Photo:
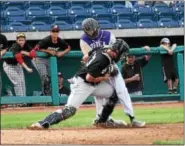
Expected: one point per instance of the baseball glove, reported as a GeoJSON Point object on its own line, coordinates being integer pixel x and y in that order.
{"type": "Point", "coordinates": [112, 70]}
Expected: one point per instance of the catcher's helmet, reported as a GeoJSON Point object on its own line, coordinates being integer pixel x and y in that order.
{"type": "Point", "coordinates": [90, 27]}
{"type": "Point", "coordinates": [121, 48]}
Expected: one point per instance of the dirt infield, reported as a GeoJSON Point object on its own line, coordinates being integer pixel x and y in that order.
{"type": "Point", "coordinates": [93, 135]}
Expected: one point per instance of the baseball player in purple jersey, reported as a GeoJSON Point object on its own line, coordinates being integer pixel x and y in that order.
{"type": "Point", "coordinates": [13, 67]}
{"type": "Point", "coordinates": [3, 49]}
{"type": "Point", "coordinates": [92, 39]}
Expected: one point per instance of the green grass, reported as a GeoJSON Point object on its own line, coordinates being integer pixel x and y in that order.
{"type": "Point", "coordinates": [84, 118]}
{"type": "Point", "coordinates": [177, 142]}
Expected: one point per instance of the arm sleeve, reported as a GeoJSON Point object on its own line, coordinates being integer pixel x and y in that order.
{"type": "Point", "coordinates": [63, 44]}
{"type": "Point", "coordinates": [5, 43]}
{"type": "Point", "coordinates": [112, 39]}
{"type": "Point", "coordinates": [84, 44]}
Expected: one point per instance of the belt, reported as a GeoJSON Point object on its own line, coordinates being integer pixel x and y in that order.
{"type": "Point", "coordinates": [94, 84]}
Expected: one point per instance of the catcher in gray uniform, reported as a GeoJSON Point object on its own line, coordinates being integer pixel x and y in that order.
{"type": "Point", "coordinates": [91, 79]}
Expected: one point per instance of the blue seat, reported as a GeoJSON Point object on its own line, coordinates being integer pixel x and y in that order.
{"type": "Point", "coordinates": [77, 10]}
{"type": "Point", "coordinates": [17, 18]}
{"type": "Point", "coordinates": [63, 25]}
{"type": "Point", "coordinates": [41, 4]}
{"type": "Point", "coordinates": [17, 27]}
{"type": "Point", "coordinates": [62, 4]}
{"type": "Point", "coordinates": [13, 11]}
{"type": "Point", "coordinates": [167, 22]}
{"type": "Point", "coordinates": [181, 22]}
{"type": "Point", "coordinates": [143, 9]}
{"type": "Point", "coordinates": [77, 25]}
{"type": "Point", "coordinates": [180, 3]}
{"type": "Point", "coordinates": [3, 28]}
{"type": "Point", "coordinates": [119, 2]}
{"type": "Point", "coordinates": [161, 8]}
{"type": "Point", "coordinates": [127, 15]}
{"type": "Point", "coordinates": [106, 4]}
{"type": "Point", "coordinates": [149, 15]}
{"type": "Point", "coordinates": [178, 9]}
{"type": "Point", "coordinates": [125, 23]}
{"type": "Point", "coordinates": [67, 19]}
{"type": "Point", "coordinates": [108, 17]}
{"type": "Point", "coordinates": [98, 9]}
{"type": "Point", "coordinates": [105, 24]}
{"type": "Point", "coordinates": [39, 26]}
{"type": "Point", "coordinates": [171, 15]}
{"type": "Point", "coordinates": [146, 23]}
{"type": "Point", "coordinates": [2, 14]}
{"type": "Point", "coordinates": [45, 19]}
{"type": "Point", "coordinates": [85, 4]}
{"type": "Point", "coordinates": [82, 16]}
{"type": "Point", "coordinates": [181, 14]}
{"type": "Point", "coordinates": [118, 8]}
{"type": "Point", "coordinates": [18, 4]}
{"type": "Point", "coordinates": [56, 11]}
{"type": "Point", "coordinates": [35, 11]}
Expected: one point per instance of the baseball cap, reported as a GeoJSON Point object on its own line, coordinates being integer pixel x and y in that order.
{"type": "Point", "coordinates": [55, 28]}
{"type": "Point", "coordinates": [60, 74]}
{"type": "Point", "coordinates": [165, 40]}
{"type": "Point", "coordinates": [20, 35]}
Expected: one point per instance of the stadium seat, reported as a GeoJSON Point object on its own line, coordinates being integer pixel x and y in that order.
{"type": "Point", "coordinates": [2, 14]}
{"type": "Point", "coordinates": [45, 19]}
{"type": "Point", "coordinates": [17, 4]}
{"type": "Point", "coordinates": [56, 11]}
{"type": "Point", "coordinates": [3, 28]}
{"type": "Point", "coordinates": [82, 17]}
{"type": "Point", "coordinates": [67, 19]}
{"type": "Point", "coordinates": [105, 24]}
{"type": "Point", "coordinates": [178, 9]}
{"type": "Point", "coordinates": [62, 4]}
{"type": "Point", "coordinates": [125, 23]}
{"type": "Point", "coordinates": [17, 27]}
{"type": "Point", "coordinates": [149, 15]}
{"type": "Point", "coordinates": [41, 4]}
{"type": "Point", "coordinates": [35, 11]}
{"type": "Point", "coordinates": [106, 4]}
{"type": "Point", "coordinates": [39, 26]}
{"type": "Point", "coordinates": [180, 3]}
{"type": "Point", "coordinates": [17, 18]}
{"type": "Point", "coordinates": [119, 2]}
{"type": "Point", "coordinates": [63, 25]}
{"type": "Point", "coordinates": [77, 10]}
{"type": "Point", "coordinates": [143, 9]}
{"type": "Point", "coordinates": [108, 17]}
{"type": "Point", "coordinates": [167, 22]}
{"type": "Point", "coordinates": [161, 8]}
{"type": "Point", "coordinates": [118, 8]}
{"type": "Point", "coordinates": [13, 11]}
{"type": "Point", "coordinates": [127, 15]}
{"type": "Point", "coordinates": [98, 9]}
{"type": "Point", "coordinates": [77, 25]}
{"type": "Point", "coordinates": [181, 22]}
{"type": "Point", "coordinates": [85, 4]}
{"type": "Point", "coordinates": [146, 23]}
{"type": "Point", "coordinates": [171, 15]}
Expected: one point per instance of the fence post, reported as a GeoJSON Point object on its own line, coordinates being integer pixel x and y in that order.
{"type": "Point", "coordinates": [54, 81]}
{"type": "Point", "coordinates": [180, 67]}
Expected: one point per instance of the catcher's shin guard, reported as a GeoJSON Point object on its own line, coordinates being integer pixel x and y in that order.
{"type": "Point", "coordinates": [108, 108]}
{"type": "Point", "coordinates": [58, 116]}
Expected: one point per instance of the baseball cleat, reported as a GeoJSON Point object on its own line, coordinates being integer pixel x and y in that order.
{"type": "Point", "coordinates": [36, 126]}
{"type": "Point", "coordinates": [110, 124]}
{"type": "Point", "coordinates": [138, 124]}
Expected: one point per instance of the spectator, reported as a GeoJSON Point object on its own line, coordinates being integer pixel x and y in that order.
{"type": "Point", "coordinates": [132, 73]}
{"type": "Point", "coordinates": [62, 89]}
{"type": "Point", "coordinates": [3, 49]}
{"type": "Point", "coordinates": [128, 4]}
{"type": "Point", "coordinates": [168, 65]}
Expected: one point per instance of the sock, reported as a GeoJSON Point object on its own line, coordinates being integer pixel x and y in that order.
{"type": "Point", "coordinates": [131, 118]}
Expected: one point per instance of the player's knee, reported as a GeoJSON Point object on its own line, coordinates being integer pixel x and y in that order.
{"type": "Point", "coordinates": [67, 112]}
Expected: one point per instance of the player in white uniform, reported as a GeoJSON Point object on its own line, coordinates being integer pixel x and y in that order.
{"type": "Point", "coordinates": [92, 39]}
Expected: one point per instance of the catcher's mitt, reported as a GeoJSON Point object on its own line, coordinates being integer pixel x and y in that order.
{"type": "Point", "coordinates": [112, 70]}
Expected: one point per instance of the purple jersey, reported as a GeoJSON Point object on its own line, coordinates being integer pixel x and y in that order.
{"type": "Point", "coordinates": [102, 39]}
